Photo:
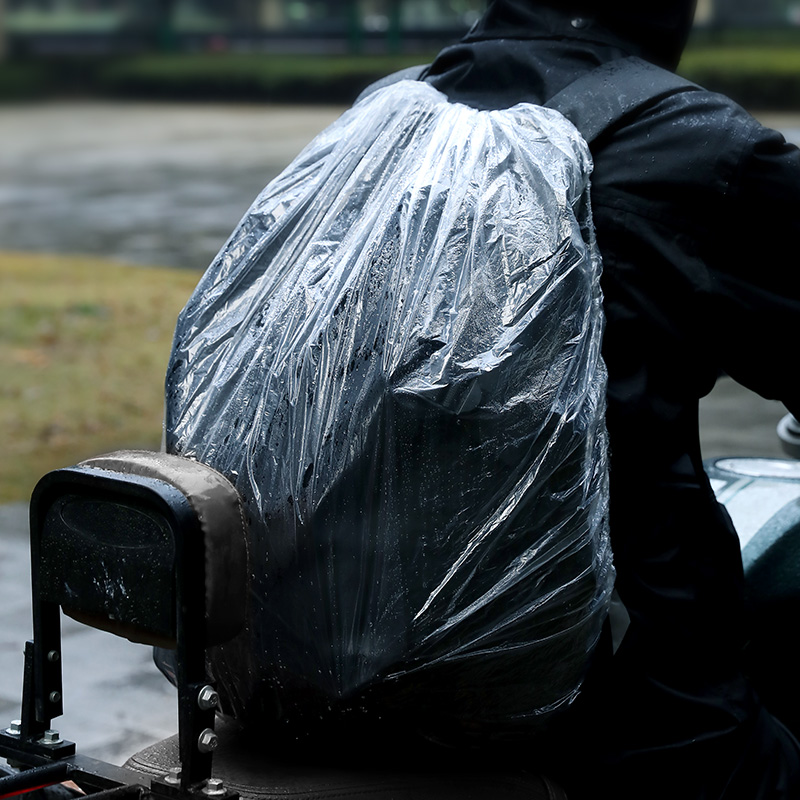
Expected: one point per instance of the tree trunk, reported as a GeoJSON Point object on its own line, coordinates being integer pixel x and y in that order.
{"type": "Point", "coordinates": [3, 41]}
{"type": "Point", "coordinates": [394, 38]}
{"type": "Point", "coordinates": [166, 40]}
{"type": "Point", "coordinates": [355, 31]}
{"type": "Point", "coordinates": [246, 14]}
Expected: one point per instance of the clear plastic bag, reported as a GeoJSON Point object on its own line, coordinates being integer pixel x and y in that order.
{"type": "Point", "coordinates": [396, 360]}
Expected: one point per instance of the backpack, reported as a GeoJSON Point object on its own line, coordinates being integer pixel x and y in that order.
{"type": "Point", "coordinates": [396, 360]}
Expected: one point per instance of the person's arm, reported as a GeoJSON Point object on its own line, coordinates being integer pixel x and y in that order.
{"type": "Point", "coordinates": [755, 271]}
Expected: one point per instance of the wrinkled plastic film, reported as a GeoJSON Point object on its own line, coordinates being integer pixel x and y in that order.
{"type": "Point", "coordinates": [395, 359]}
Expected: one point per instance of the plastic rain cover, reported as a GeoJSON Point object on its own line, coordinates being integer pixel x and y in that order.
{"type": "Point", "coordinates": [395, 358]}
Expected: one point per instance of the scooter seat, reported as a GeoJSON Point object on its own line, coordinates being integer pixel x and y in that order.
{"type": "Point", "coordinates": [257, 773]}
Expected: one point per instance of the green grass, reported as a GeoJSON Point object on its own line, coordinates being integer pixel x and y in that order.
{"type": "Point", "coordinates": [759, 71]}
{"type": "Point", "coordinates": [84, 345]}
{"type": "Point", "coordinates": [743, 60]}
{"type": "Point", "coordinates": [249, 75]}
{"type": "Point", "coordinates": [269, 69]}
{"type": "Point", "coordinates": [758, 76]}
{"type": "Point", "coordinates": [202, 76]}
{"type": "Point", "coordinates": [20, 81]}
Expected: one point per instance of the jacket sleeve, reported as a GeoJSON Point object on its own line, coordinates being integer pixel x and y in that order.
{"type": "Point", "coordinates": [754, 270]}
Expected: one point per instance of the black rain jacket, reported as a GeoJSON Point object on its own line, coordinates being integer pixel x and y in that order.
{"type": "Point", "coordinates": [697, 213]}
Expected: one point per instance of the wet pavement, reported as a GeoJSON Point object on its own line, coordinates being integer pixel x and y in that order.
{"type": "Point", "coordinates": [165, 184]}
{"type": "Point", "coordinates": [143, 183]}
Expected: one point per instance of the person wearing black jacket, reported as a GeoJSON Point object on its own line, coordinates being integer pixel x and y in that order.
{"type": "Point", "coordinates": [697, 213]}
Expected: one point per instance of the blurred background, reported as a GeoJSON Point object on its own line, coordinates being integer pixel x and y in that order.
{"type": "Point", "coordinates": [324, 50]}
{"type": "Point", "coordinates": [138, 132]}
{"type": "Point", "coordinates": [134, 134]}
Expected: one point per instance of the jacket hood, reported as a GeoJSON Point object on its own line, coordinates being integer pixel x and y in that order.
{"type": "Point", "coordinates": [656, 30]}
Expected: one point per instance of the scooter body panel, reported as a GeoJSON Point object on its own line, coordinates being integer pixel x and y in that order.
{"type": "Point", "coordinates": [762, 497]}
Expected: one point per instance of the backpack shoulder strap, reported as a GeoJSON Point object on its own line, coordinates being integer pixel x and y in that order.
{"type": "Point", "coordinates": [408, 74]}
{"type": "Point", "coordinates": [599, 99]}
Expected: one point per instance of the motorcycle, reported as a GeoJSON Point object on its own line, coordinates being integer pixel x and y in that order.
{"type": "Point", "coordinates": [152, 547]}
